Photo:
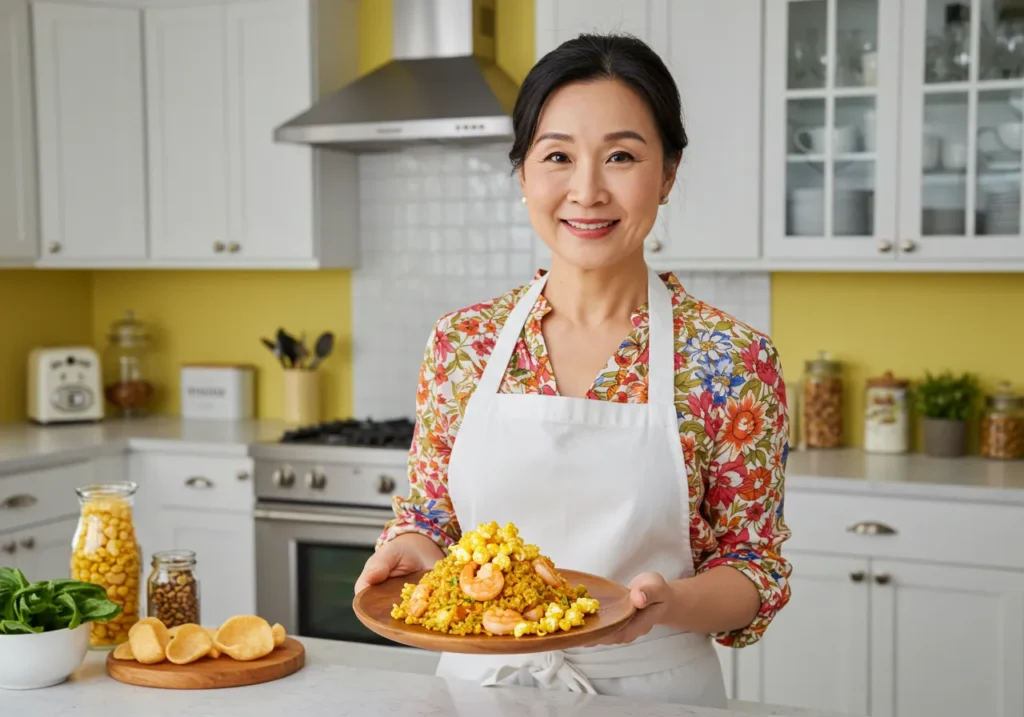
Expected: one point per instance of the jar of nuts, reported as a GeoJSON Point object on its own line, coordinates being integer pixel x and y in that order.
{"type": "Point", "coordinates": [1002, 424]}
{"type": "Point", "coordinates": [172, 588]}
{"type": "Point", "coordinates": [104, 551]}
{"type": "Point", "coordinates": [822, 401]}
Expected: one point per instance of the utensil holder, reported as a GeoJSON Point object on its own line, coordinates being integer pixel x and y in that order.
{"type": "Point", "coordinates": [301, 396]}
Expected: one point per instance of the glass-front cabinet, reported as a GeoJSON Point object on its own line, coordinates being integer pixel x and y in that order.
{"type": "Point", "coordinates": [963, 74]}
{"type": "Point", "coordinates": [893, 130]}
{"type": "Point", "coordinates": [830, 128]}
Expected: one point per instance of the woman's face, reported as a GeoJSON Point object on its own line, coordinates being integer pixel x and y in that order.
{"type": "Point", "coordinates": [595, 174]}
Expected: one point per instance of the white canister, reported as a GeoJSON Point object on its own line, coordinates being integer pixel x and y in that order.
{"type": "Point", "coordinates": [218, 391]}
{"type": "Point", "coordinates": [886, 415]}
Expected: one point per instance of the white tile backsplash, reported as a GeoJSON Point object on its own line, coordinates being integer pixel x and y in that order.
{"type": "Point", "coordinates": [442, 228]}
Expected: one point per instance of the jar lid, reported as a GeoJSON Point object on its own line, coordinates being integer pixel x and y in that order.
{"type": "Point", "coordinates": [823, 363]}
{"type": "Point", "coordinates": [175, 558]}
{"type": "Point", "coordinates": [128, 331]}
{"type": "Point", "coordinates": [1004, 399]}
{"type": "Point", "coordinates": [887, 380]}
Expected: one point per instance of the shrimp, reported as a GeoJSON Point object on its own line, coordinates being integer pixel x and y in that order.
{"type": "Point", "coordinates": [501, 622]}
{"type": "Point", "coordinates": [534, 614]}
{"type": "Point", "coordinates": [418, 601]}
{"type": "Point", "coordinates": [483, 584]}
{"type": "Point", "coordinates": [546, 570]}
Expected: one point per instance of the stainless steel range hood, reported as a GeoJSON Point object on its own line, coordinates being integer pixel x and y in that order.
{"type": "Point", "coordinates": [441, 87]}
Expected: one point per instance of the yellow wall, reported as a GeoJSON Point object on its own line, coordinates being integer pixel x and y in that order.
{"type": "Point", "coordinates": [37, 308]}
{"type": "Point", "coordinates": [908, 323]}
{"type": "Point", "coordinates": [207, 316]}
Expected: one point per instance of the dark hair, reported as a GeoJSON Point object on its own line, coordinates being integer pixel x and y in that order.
{"type": "Point", "coordinates": [595, 57]}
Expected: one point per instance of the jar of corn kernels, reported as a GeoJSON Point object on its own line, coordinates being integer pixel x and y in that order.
{"type": "Point", "coordinates": [105, 552]}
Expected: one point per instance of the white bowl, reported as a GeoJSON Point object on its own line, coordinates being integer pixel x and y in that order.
{"type": "Point", "coordinates": [28, 662]}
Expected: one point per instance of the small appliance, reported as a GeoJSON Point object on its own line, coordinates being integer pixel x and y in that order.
{"type": "Point", "coordinates": [64, 385]}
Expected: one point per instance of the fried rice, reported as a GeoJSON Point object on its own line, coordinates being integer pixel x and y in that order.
{"type": "Point", "coordinates": [450, 609]}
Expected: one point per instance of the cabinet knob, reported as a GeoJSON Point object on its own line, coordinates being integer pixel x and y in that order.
{"type": "Point", "coordinates": [242, 475]}
{"type": "Point", "coordinates": [385, 484]}
{"type": "Point", "coordinates": [908, 245]}
{"type": "Point", "coordinates": [28, 543]}
{"type": "Point", "coordinates": [884, 246]}
{"type": "Point", "coordinates": [9, 547]}
{"type": "Point", "coordinates": [870, 527]}
{"type": "Point", "coordinates": [234, 247]}
{"type": "Point", "coordinates": [883, 578]}
{"type": "Point", "coordinates": [654, 245]}
{"type": "Point", "coordinates": [858, 576]}
{"type": "Point", "coordinates": [218, 247]}
{"type": "Point", "coordinates": [54, 247]}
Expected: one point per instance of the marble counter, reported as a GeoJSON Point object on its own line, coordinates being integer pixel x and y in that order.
{"type": "Point", "coordinates": [340, 680]}
{"type": "Point", "coordinates": [26, 447]}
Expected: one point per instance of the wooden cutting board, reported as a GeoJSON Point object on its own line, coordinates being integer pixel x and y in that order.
{"type": "Point", "coordinates": [207, 673]}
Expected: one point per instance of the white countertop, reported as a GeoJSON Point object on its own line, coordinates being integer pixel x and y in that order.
{"type": "Point", "coordinates": [339, 679]}
{"type": "Point", "coordinates": [26, 447]}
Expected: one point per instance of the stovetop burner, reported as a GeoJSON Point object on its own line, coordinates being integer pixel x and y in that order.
{"type": "Point", "coordinates": [394, 433]}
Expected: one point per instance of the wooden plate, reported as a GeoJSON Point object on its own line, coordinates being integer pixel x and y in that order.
{"type": "Point", "coordinates": [373, 608]}
{"type": "Point", "coordinates": [207, 673]}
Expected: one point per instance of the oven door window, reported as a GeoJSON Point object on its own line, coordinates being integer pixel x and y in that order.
{"type": "Point", "coordinates": [327, 574]}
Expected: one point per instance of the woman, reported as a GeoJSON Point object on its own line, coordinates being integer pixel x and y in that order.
{"type": "Point", "coordinates": [666, 472]}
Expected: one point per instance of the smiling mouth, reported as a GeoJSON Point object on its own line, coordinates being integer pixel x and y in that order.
{"type": "Point", "coordinates": [590, 226]}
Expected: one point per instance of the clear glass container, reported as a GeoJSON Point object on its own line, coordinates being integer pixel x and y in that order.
{"type": "Point", "coordinates": [886, 415]}
{"type": "Point", "coordinates": [822, 400]}
{"type": "Point", "coordinates": [127, 385]}
{"type": "Point", "coordinates": [1002, 424]}
{"type": "Point", "coordinates": [104, 551]}
{"type": "Point", "coordinates": [172, 590]}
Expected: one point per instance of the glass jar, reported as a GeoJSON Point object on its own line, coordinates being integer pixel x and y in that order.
{"type": "Point", "coordinates": [823, 403]}
{"type": "Point", "coordinates": [886, 415]}
{"type": "Point", "coordinates": [104, 551]}
{"type": "Point", "coordinates": [172, 590]}
{"type": "Point", "coordinates": [1002, 424]}
{"type": "Point", "coordinates": [126, 375]}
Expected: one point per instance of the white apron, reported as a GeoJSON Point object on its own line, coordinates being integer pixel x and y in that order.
{"type": "Point", "coordinates": [600, 487]}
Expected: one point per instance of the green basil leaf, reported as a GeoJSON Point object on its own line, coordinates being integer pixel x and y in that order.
{"type": "Point", "coordinates": [13, 627]}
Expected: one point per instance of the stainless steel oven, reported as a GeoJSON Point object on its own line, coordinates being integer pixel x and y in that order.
{"type": "Point", "coordinates": [307, 561]}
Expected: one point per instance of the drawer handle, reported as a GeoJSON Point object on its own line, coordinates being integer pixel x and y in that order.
{"type": "Point", "coordinates": [199, 482]}
{"type": "Point", "coordinates": [28, 543]}
{"type": "Point", "coordinates": [869, 527]}
{"type": "Point", "coordinates": [883, 578]}
{"type": "Point", "coordinates": [21, 500]}
{"type": "Point", "coordinates": [858, 576]}
{"type": "Point", "coordinates": [9, 547]}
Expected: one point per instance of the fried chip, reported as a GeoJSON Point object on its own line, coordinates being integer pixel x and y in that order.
{"type": "Point", "coordinates": [162, 633]}
{"type": "Point", "coordinates": [245, 637]}
{"type": "Point", "coordinates": [277, 630]}
{"type": "Point", "coordinates": [145, 644]}
{"type": "Point", "coordinates": [214, 652]}
{"type": "Point", "coordinates": [124, 651]}
{"type": "Point", "coordinates": [190, 643]}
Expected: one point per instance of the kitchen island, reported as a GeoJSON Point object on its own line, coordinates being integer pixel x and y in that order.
{"type": "Point", "coordinates": [339, 679]}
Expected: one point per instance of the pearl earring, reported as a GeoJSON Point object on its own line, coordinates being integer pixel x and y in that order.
{"type": "Point", "coordinates": [524, 200]}
{"type": "Point", "coordinates": [664, 200]}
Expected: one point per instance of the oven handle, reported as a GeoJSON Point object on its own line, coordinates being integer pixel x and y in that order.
{"type": "Point", "coordinates": [323, 518]}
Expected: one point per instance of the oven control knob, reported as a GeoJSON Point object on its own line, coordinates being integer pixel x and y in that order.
{"type": "Point", "coordinates": [316, 479]}
{"type": "Point", "coordinates": [284, 477]}
{"type": "Point", "coordinates": [385, 484]}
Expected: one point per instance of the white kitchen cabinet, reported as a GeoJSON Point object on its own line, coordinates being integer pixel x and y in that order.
{"type": "Point", "coordinates": [946, 640]}
{"type": "Point", "coordinates": [90, 133]}
{"type": "Point", "coordinates": [224, 544]}
{"type": "Point", "coordinates": [19, 217]}
{"type": "Point", "coordinates": [186, 113]}
{"type": "Point", "coordinates": [892, 135]}
{"type": "Point", "coordinates": [42, 552]}
{"type": "Point", "coordinates": [885, 618]}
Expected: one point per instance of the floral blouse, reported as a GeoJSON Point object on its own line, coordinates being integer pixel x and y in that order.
{"type": "Point", "coordinates": [733, 429]}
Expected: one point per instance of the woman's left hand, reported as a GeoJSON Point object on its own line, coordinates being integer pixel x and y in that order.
{"type": "Point", "coordinates": [650, 595]}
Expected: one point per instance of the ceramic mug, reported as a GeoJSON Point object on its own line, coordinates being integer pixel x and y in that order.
{"type": "Point", "coordinates": [812, 141]}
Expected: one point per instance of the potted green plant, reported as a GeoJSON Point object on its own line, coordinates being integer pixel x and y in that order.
{"type": "Point", "coordinates": [945, 403]}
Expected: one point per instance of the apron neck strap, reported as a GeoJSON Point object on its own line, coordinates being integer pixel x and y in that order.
{"type": "Point", "coordinates": [661, 340]}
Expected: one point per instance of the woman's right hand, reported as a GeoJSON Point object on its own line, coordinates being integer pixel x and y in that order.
{"type": "Point", "coordinates": [408, 553]}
